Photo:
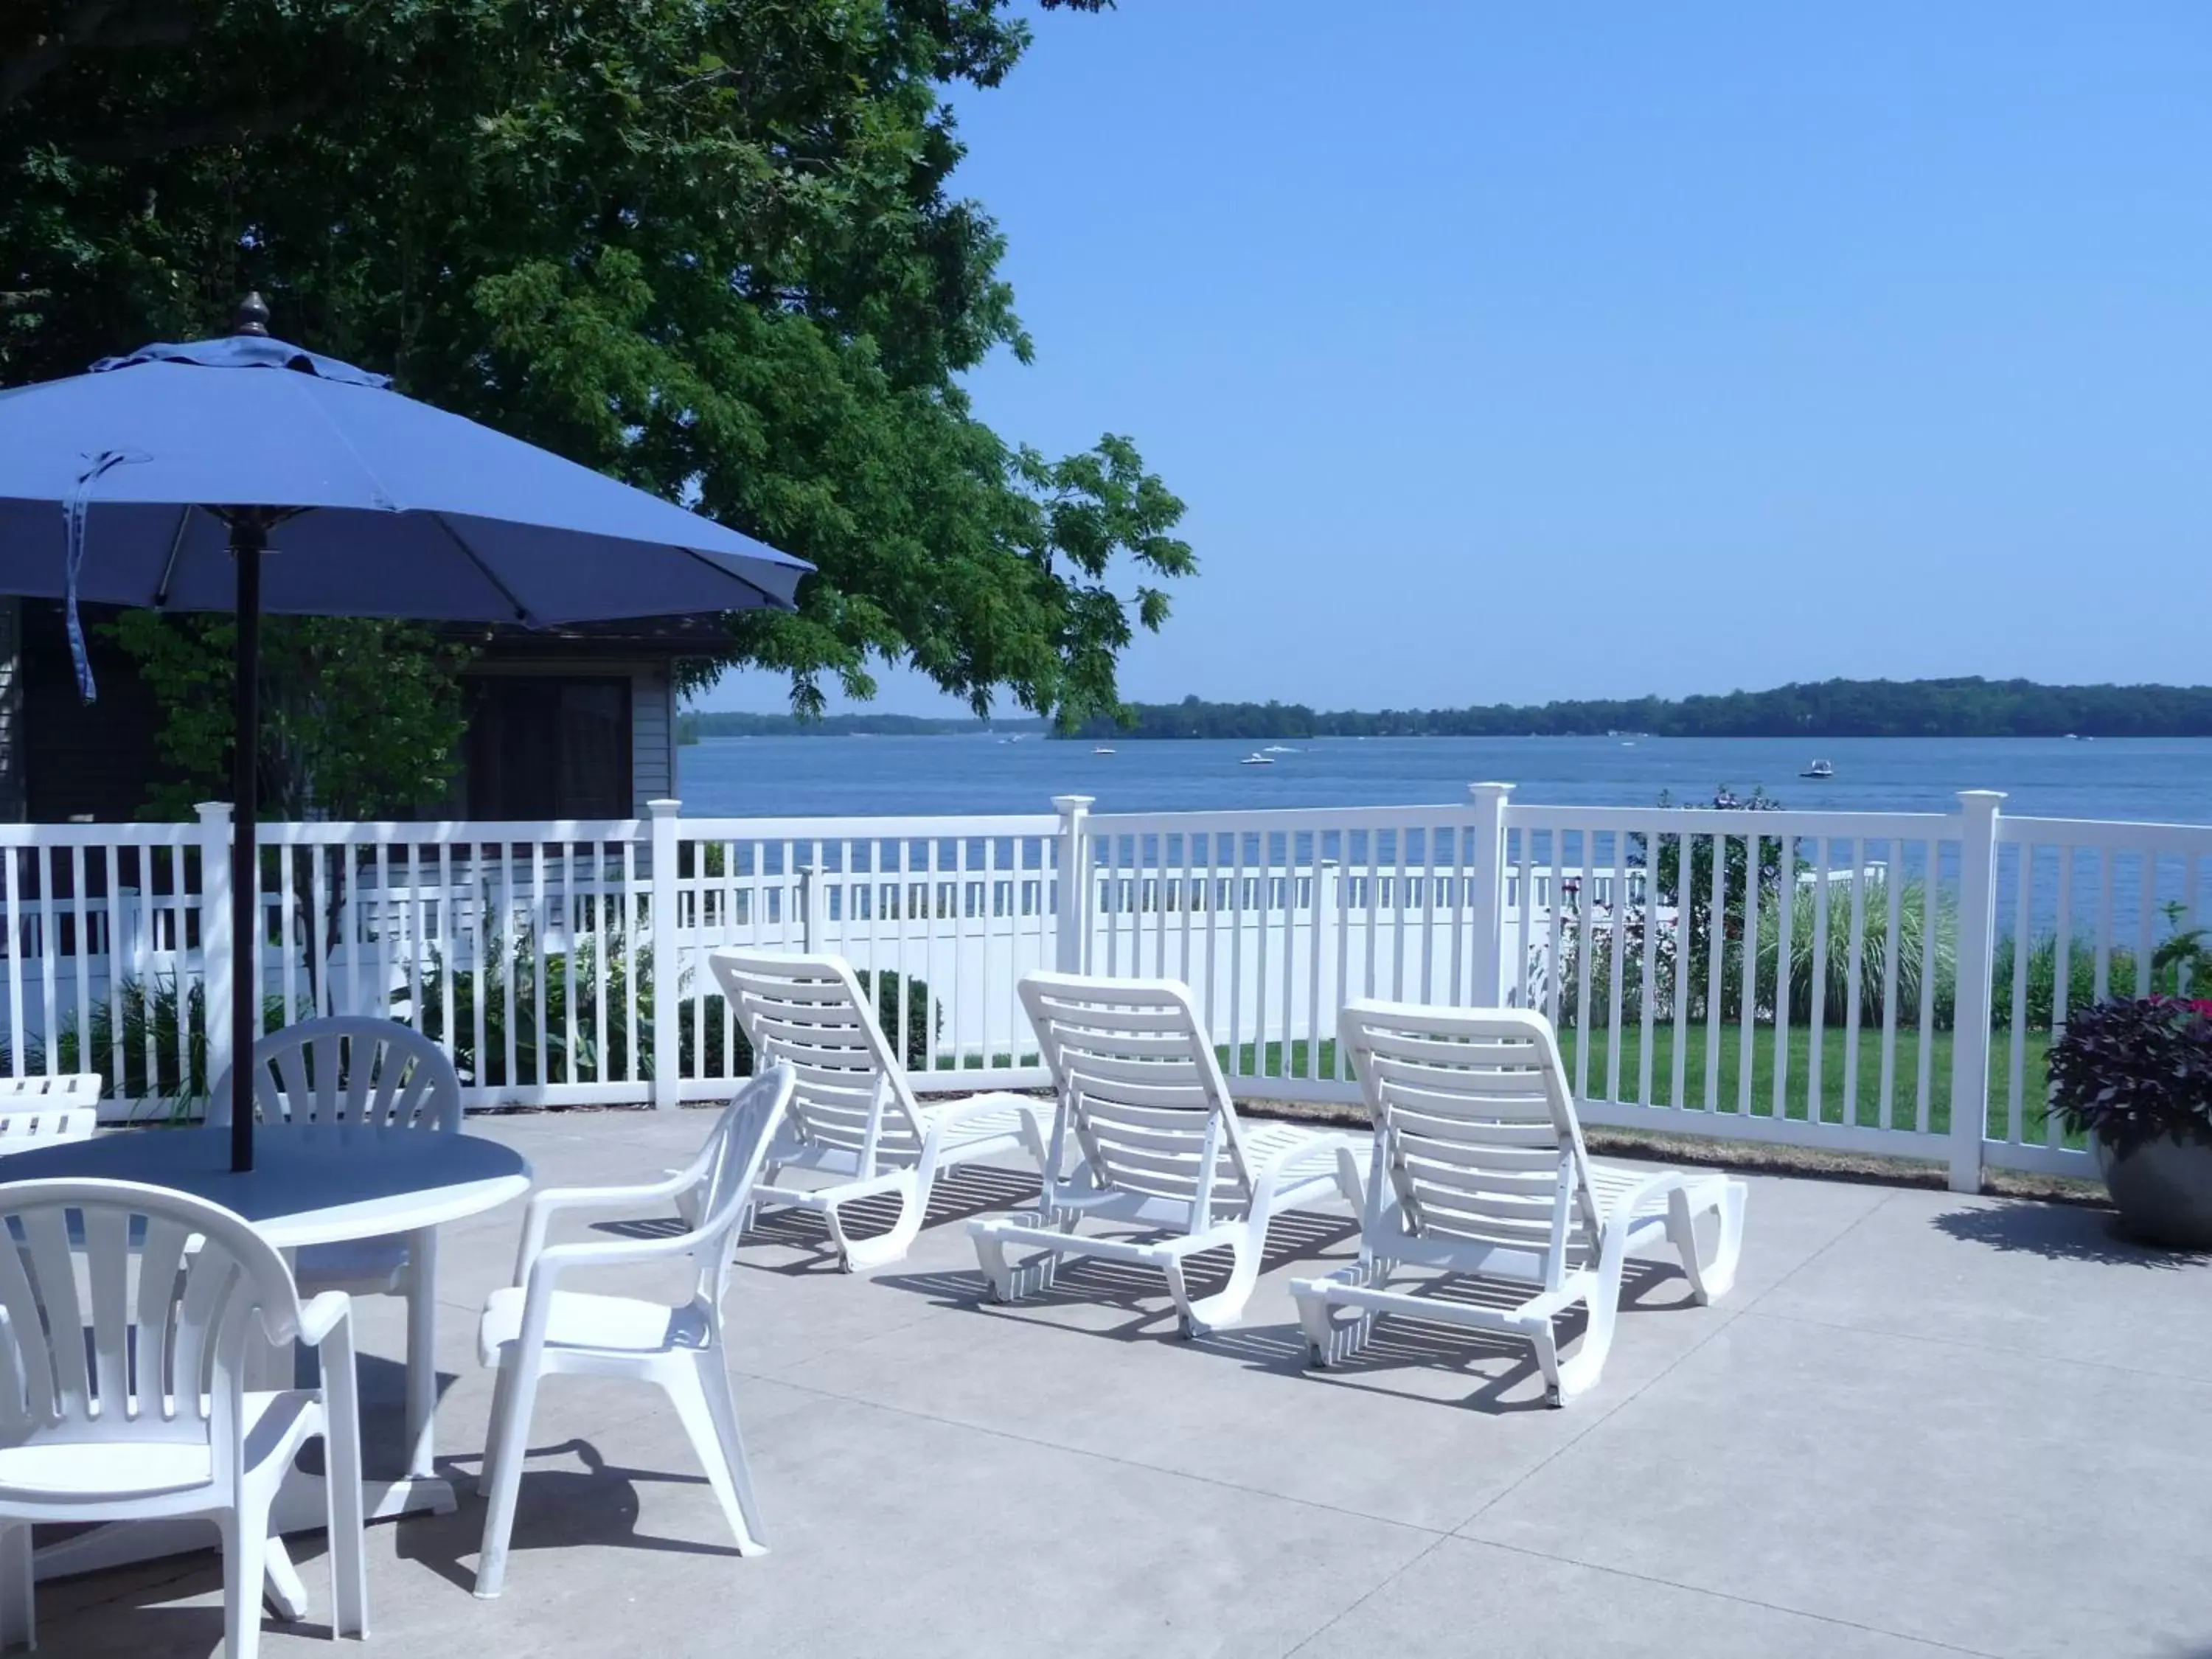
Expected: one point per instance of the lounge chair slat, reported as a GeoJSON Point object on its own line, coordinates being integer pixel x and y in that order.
{"type": "Point", "coordinates": [854, 1114]}
{"type": "Point", "coordinates": [1475, 1125]}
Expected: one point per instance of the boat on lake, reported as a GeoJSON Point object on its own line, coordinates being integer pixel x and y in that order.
{"type": "Point", "coordinates": [1820, 769]}
{"type": "Point", "coordinates": [1257, 760]}
{"type": "Point", "coordinates": [1101, 750]}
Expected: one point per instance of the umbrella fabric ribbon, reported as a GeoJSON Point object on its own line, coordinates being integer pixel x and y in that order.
{"type": "Point", "coordinates": [78, 510]}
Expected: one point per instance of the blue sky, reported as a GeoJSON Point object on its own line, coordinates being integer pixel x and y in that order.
{"type": "Point", "coordinates": [1504, 354]}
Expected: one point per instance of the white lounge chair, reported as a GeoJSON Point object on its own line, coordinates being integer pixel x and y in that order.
{"type": "Point", "coordinates": [854, 1114]}
{"type": "Point", "coordinates": [361, 1069]}
{"type": "Point", "coordinates": [130, 1312]}
{"type": "Point", "coordinates": [42, 1111]}
{"type": "Point", "coordinates": [1479, 1170]}
{"type": "Point", "coordinates": [534, 1328]}
{"type": "Point", "coordinates": [1142, 1099]}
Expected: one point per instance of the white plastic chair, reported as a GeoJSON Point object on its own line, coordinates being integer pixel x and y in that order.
{"type": "Point", "coordinates": [534, 1328]}
{"type": "Point", "coordinates": [123, 1392]}
{"type": "Point", "coordinates": [1479, 1170]}
{"type": "Point", "coordinates": [854, 1115]}
{"type": "Point", "coordinates": [360, 1069]}
{"type": "Point", "coordinates": [44, 1111]}
{"type": "Point", "coordinates": [1143, 1100]}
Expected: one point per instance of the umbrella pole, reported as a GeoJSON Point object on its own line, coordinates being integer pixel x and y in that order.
{"type": "Point", "coordinates": [247, 538]}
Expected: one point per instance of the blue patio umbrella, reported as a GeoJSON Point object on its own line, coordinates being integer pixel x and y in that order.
{"type": "Point", "coordinates": [244, 474]}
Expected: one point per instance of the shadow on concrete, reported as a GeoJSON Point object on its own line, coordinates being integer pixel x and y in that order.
{"type": "Point", "coordinates": [957, 1195]}
{"type": "Point", "coordinates": [2059, 1233]}
{"type": "Point", "coordinates": [1505, 1370]}
{"type": "Point", "coordinates": [558, 1508]}
{"type": "Point", "coordinates": [1299, 1235]}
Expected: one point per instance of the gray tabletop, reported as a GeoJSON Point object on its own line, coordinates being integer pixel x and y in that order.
{"type": "Point", "coordinates": [310, 1183]}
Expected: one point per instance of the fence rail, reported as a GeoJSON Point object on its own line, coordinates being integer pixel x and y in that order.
{"type": "Point", "coordinates": [1877, 983]}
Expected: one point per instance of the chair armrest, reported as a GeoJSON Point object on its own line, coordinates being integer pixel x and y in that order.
{"type": "Point", "coordinates": [324, 1315]}
{"type": "Point", "coordinates": [1657, 1184]}
{"type": "Point", "coordinates": [549, 1263]}
{"type": "Point", "coordinates": [543, 1206]}
{"type": "Point", "coordinates": [959, 1111]}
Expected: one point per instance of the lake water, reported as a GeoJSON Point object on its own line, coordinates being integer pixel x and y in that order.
{"type": "Point", "coordinates": [2156, 779]}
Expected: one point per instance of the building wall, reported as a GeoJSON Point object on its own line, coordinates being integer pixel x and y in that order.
{"type": "Point", "coordinates": [61, 758]}
{"type": "Point", "coordinates": [651, 711]}
{"type": "Point", "coordinates": [95, 761]}
{"type": "Point", "coordinates": [652, 735]}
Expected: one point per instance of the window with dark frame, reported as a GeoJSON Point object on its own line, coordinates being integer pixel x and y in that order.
{"type": "Point", "coordinates": [547, 747]}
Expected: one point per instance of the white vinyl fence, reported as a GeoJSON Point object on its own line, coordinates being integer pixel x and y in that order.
{"type": "Point", "coordinates": [1829, 979]}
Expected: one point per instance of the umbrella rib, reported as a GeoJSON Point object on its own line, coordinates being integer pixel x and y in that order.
{"type": "Point", "coordinates": [521, 611]}
{"type": "Point", "coordinates": [169, 564]}
{"type": "Point", "coordinates": [715, 564]}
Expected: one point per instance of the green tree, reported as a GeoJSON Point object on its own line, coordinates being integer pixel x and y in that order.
{"type": "Point", "coordinates": [709, 248]}
{"type": "Point", "coordinates": [359, 716]}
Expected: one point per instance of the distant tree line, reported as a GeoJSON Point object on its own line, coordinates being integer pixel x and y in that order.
{"type": "Point", "coordinates": [718, 723]}
{"type": "Point", "coordinates": [1972, 708]}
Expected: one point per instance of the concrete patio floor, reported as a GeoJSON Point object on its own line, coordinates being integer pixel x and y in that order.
{"type": "Point", "coordinates": [1920, 1424]}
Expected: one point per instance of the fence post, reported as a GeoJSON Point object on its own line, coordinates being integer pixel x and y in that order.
{"type": "Point", "coordinates": [1487, 874]}
{"type": "Point", "coordinates": [667, 975]}
{"type": "Point", "coordinates": [1074, 859]}
{"type": "Point", "coordinates": [1970, 1015]}
{"type": "Point", "coordinates": [217, 958]}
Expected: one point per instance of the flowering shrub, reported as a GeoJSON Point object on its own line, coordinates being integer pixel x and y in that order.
{"type": "Point", "coordinates": [2135, 1069]}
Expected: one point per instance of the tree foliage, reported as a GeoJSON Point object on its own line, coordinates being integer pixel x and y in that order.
{"type": "Point", "coordinates": [360, 717]}
{"type": "Point", "coordinates": [710, 248]}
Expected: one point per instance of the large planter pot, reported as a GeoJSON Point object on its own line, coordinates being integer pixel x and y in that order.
{"type": "Point", "coordinates": [2162, 1188]}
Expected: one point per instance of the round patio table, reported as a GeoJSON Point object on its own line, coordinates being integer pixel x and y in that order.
{"type": "Point", "coordinates": [311, 1183]}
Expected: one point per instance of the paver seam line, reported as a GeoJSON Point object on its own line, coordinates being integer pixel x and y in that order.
{"type": "Point", "coordinates": [1019, 1439]}
{"type": "Point", "coordinates": [1699, 1589]}
{"type": "Point", "coordinates": [1734, 1311]}
{"type": "Point", "coordinates": [1848, 1227]}
{"type": "Point", "coordinates": [2190, 1377]}
{"type": "Point", "coordinates": [1362, 1600]}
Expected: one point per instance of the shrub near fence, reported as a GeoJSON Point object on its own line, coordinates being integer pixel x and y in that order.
{"type": "Point", "coordinates": [579, 1003]}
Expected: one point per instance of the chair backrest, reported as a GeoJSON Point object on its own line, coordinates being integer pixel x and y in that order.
{"type": "Point", "coordinates": [125, 1312]}
{"type": "Point", "coordinates": [732, 1158]}
{"type": "Point", "coordinates": [349, 1069]}
{"type": "Point", "coordinates": [849, 1090]}
{"type": "Point", "coordinates": [1476, 1131]}
{"type": "Point", "coordinates": [1140, 1090]}
{"type": "Point", "coordinates": [37, 1111]}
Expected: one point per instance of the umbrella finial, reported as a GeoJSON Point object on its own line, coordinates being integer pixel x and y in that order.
{"type": "Point", "coordinates": [252, 316]}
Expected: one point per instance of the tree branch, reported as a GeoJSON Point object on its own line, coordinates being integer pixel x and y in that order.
{"type": "Point", "coordinates": [90, 26]}
{"type": "Point", "coordinates": [204, 130]}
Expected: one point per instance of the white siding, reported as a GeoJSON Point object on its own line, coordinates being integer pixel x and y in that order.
{"type": "Point", "coordinates": [652, 736]}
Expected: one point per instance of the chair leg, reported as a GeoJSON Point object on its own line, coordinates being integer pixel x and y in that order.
{"type": "Point", "coordinates": [1601, 1295]}
{"type": "Point", "coordinates": [1226, 1305]}
{"type": "Point", "coordinates": [283, 1590]}
{"type": "Point", "coordinates": [506, 1458]}
{"type": "Point", "coordinates": [503, 1391]}
{"type": "Point", "coordinates": [1329, 1340]}
{"type": "Point", "coordinates": [856, 1255]}
{"type": "Point", "coordinates": [422, 1352]}
{"type": "Point", "coordinates": [18, 1611]}
{"type": "Point", "coordinates": [709, 1411]}
{"type": "Point", "coordinates": [1009, 1281]}
{"type": "Point", "coordinates": [245, 1538]}
{"type": "Point", "coordinates": [1713, 1278]}
{"type": "Point", "coordinates": [348, 1524]}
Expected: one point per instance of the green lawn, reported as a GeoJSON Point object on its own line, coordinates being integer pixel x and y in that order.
{"type": "Point", "coordinates": [1835, 1106]}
